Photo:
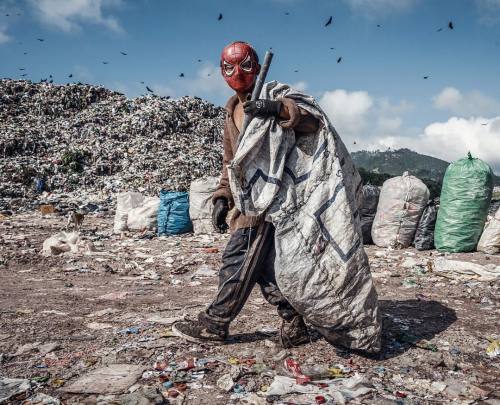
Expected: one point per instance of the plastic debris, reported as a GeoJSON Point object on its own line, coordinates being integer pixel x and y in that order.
{"type": "Point", "coordinates": [66, 242]}
{"type": "Point", "coordinates": [13, 387]}
{"type": "Point", "coordinates": [465, 270]}
{"type": "Point", "coordinates": [493, 349]}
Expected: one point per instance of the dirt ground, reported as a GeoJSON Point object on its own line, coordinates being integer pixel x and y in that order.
{"type": "Point", "coordinates": [62, 317]}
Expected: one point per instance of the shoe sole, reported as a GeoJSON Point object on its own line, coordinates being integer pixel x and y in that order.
{"type": "Point", "coordinates": [192, 339]}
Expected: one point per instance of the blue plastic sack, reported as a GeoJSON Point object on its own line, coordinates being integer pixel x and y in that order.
{"type": "Point", "coordinates": [173, 214]}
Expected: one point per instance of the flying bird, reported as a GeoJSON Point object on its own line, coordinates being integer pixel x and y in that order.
{"type": "Point", "coordinates": [287, 13]}
{"type": "Point", "coordinates": [181, 75]}
{"type": "Point", "coordinates": [450, 25]}
{"type": "Point", "coordinates": [123, 53]}
{"type": "Point", "coordinates": [22, 69]}
{"type": "Point", "coordinates": [148, 89]}
{"type": "Point", "coordinates": [339, 59]}
{"type": "Point", "coordinates": [354, 142]}
{"type": "Point", "coordinates": [485, 123]}
{"type": "Point", "coordinates": [329, 21]}
{"type": "Point", "coordinates": [50, 76]}
{"type": "Point", "coordinates": [295, 71]}
{"type": "Point", "coordinates": [40, 39]}
{"type": "Point", "coordinates": [199, 60]}
{"type": "Point", "coordinates": [379, 26]}
{"type": "Point", "coordinates": [105, 63]}
{"type": "Point", "coordinates": [51, 81]}
{"type": "Point", "coordinates": [70, 75]}
{"type": "Point", "coordinates": [6, 15]}
{"type": "Point", "coordinates": [332, 48]}
{"type": "Point", "coordinates": [25, 53]}
{"type": "Point", "coordinates": [439, 30]}
{"type": "Point", "coordinates": [142, 82]}
{"type": "Point", "coordinates": [24, 74]}
{"type": "Point", "coordinates": [426, 77]}
{"type": "Point", "coordinates": [220, 17]}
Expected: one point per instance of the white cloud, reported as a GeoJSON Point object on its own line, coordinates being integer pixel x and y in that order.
{"type": "Point", "coordinates": [68, 15]}
{"type": "Point", "coordinates": [299, 86]}
{"type": "Point", "coordinates": [452, 139]}
{"type": "Point", "coordinates": [378, 8]}
{"type": "Point", "coordinates": [4, 37]}
{"type": "Point", "coordinates": [208, 81]}
{"type": "Point", "coordinates": [489, 11]}
{"type": "Point", "coordinates": [347, 110]}
{"type": "Point", "coordinates": [469, 104]}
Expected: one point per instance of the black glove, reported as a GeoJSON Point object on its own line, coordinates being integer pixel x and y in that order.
{"type": "Point", "coordinates": [219, 214]}
{"type": "Point", "coordinates": [262, 108]}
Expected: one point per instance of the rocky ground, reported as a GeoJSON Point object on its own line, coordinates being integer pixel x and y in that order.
{"type": "Point", "coordinates": [95, 327]}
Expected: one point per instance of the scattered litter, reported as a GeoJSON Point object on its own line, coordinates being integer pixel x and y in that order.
{"type": "Point", "coordinates": [493, 349]}
{"type": "Point", "coordinates": [465, 270]}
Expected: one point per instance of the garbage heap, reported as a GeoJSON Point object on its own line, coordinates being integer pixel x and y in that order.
{"type": "Point", "coordinates": [77, 137]}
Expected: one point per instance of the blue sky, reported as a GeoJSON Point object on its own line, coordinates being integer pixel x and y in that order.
{"type": "Point", "coordinates": [376, 97]}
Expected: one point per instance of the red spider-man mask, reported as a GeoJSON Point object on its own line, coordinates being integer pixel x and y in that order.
{"type": "Point", "coordinates": [239, 66]}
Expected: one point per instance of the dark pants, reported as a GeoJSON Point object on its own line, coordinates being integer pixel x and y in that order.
{"type": "Point", "coordinates": [248, 259]}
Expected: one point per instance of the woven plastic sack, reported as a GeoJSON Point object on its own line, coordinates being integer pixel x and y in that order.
{"type": "Point", "coordinates": [200, 203]}
{"type": "Point", "coordinates": [144, 216]}
{"type": "Point", "coordinates": [424, 235]}
{"type": "Point", "coordinates": [402, 200]}
{"type": "Point", "coordinates": [465, 198]}
{"type": "Point", "coordinates": [490, 239]}
{"type": "Point", "coordinates": [368, 210]}
{"type": "Point", "coordinates": [124, 203]}
{"type": "Point", "coordinates": [173, 215]}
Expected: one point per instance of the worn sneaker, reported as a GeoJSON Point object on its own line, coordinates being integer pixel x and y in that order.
{"type": "Point", "coordinates": [194, 331]}
{"type": "Point", "coordinates": [294, 333]}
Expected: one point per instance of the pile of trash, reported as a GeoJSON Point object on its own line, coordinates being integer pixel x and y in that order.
{"type": "Point", "coordinates": [77, 137]}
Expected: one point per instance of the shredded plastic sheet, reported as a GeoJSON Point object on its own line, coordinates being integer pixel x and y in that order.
{"type": "Point", "coordinates": [465, 198]}
{"type": "Point", "coordinates": [464, 270]}
{"type": "Point", "coordinates": [402, 200]}
{"type": "Point", "coordinates": [342, 390]}
{"type": "Point", "coordinates": [310, 190]}
{"type": "Point", "coordinates": [490, 239]}
{"type": "Point", "coordinates": [63, 242]}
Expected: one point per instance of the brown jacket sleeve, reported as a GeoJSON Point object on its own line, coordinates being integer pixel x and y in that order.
{"type": "Point", "coordinates": [223, 190]}
{"type": "Point", "coordinates": [300, 120]}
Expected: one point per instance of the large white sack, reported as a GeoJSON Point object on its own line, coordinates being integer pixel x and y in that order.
{"type": "Point", "coordinates": [490, 239]}
{"type": "Point", "coordinates": [200, 203]}
{"type": "Point", "coordinates": [63, 242]}
{"type": "Point", "coordinates": [457, 269]}
{"type": "Point", "coordinates": [144, 216]}
{"type": "Point", "coordinates": [401, 203]}
{"type": "Point", "coordinates": [124, 203]}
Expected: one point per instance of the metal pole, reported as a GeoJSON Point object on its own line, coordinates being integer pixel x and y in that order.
{"type": "Point", "coordinates": [256, 91]}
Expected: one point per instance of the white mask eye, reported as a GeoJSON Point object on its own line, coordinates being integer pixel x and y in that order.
{"type": "Point", "coordinates": [228, 68]}
{"type": "Point", "coordinates": [246, 65]}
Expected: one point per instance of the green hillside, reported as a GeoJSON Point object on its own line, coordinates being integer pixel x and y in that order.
{"type": "Point", "coordinates": [395, 162]}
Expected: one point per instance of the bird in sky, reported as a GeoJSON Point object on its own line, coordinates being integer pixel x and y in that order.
{"type": "Point", "coordinates": [142, 82]}
{"type": "Point", "coordinates": [148, 89]}
{"type": "Point", "coordinates": [105, 63]}
{"type": "Point", "coordinates": [329, 21]}
{"type": "Point", "coordinates": [6, 15]}
{"type": "Point", "coordinates": [426, 77]}
{"type": "Point", "coordinates": [354, 142]}
{"type": "Point", "coordinates": [296, 70]}
{"type": "Point", "coordinates": [287, 13]}
{"type": "Point", "coordinates": [70, 75]}
{"type": "Point", "coordinates": [439, 30]}
{"type": "Point", "coordinates": [199, 60]}
{"type": "Point", "coordinates": [339, 59]}
{"type": "Point", "coordinates": [181, 75]}
{"type": "Point", "coordinates": [450, 25]}
{"type": "Point", "coordinates": [220, 17]}
{"type": "Point", "coordinates": [22, 68]}
{"type": "Point", "coordinates": [25, 53]}
{"type": "Point", "coordinates": [379, 26]}
{"type": "Point", "coordinates": [484, 123]}
{"type": "Point", "coordinates": [332, 48]}
{"type": "Point", "coordinates": [40, 39]}
{"type": "Point", "coordinates": [123, 53]}
{"type": "Point", "coordinates": [24, 74]}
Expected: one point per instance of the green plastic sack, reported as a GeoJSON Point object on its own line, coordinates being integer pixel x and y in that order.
{"type": "Point", "coordinates": [465, 198]}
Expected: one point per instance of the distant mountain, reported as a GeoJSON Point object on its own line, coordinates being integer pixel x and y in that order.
{"type": "Point", "coordinates": [395, 162]}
